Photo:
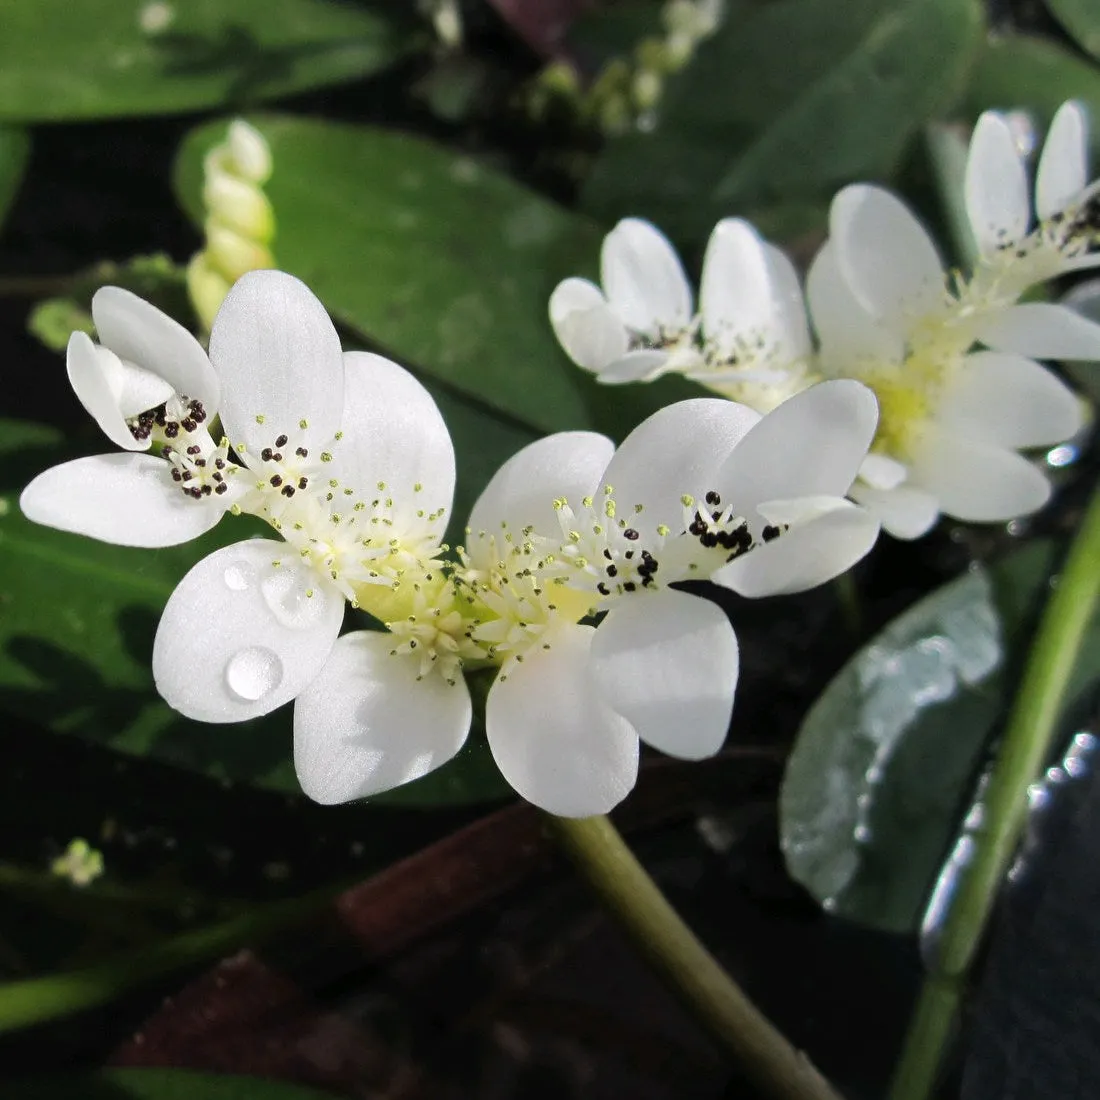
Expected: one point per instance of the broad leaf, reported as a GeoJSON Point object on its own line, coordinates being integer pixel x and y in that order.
{"type": "Point", "coordinates": [14, 147]}
{"type": "Point", "coordinates": [77, 621]}
{"type": "Point", "coordinates": [786, 104]}
{"type": "Point", "coordinates": [435, 259]}
{"type": "Point", "coordinates": [100, 58]}
{"type": "Point", "coordinates": [160, 1084]}
{"type": "Point", "coordinates": [1037, 74]}
{"type": "Point", "coordinates": [1082, 19]}
{"type": "Point", "coordinates": [886, 759]}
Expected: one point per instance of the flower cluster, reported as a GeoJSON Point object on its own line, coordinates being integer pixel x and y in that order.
{"type": "Point", "coordinates": [564, 589]}
{"type": "Point", "coordinates": [950, 356]}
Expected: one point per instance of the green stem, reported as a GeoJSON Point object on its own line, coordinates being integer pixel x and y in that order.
{"type": "Point", "coordinates": [707, 990]}
{"type": "Point", "coordinates": [1032, 726]}
{"type": "Point", "coordinates": [57, 995]}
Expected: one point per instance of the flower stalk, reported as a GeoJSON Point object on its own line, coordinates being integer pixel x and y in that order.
{"type": "Point", "coordinates": [1032, 727]}
{"type": "Point", "coordinates": [632, 897]}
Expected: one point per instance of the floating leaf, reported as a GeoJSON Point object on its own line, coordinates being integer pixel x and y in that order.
{"type": "Point", "coordinates": [887, 756]}
{"type": "Point", "coordinates": [786, 104]}
{"type": "Point", "coordinates": [436, 260]}
{"type": "Point", "coordinates": [1025, 71]}
{"type": "Point", "coordinates": [160, 1084]}
{"type": "Point", "coordinates": [101, 58]}
{"type": "Point", "coordinates": [1081, 18]}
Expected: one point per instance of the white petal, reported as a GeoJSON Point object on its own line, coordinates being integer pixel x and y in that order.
{"type": "Point", "coordinates": [394, 433]}
{"type": "Point", "coordinates": [996, 191]}
{"type": "Point", "coordinates": [240, 635]}
{"type": "Point", "coordinates": [805, 556]}
{"type": "Point", "coordinates": [139, 332]}
{"type": "Point", "coordinates": [849, 333]}
{"type": "Point", "coordinates": [91, 370]}
{"type": "Point", "coordinates": [667, 661]}
{"type": "Point", "coordinates": [736, 292]}
{"type": "Point", "coordinates": [1084, 298]}
{"type": "Point", "coordinates": [553, 736]}
{"type": "Point", "coordinates": [1041, 330]}
{"type": "Point", "coordinates": [636, 366]}
{"type": "Point", "coordinates": [885, 256]}
{"type": "Point", "coordinates": [792, 328]}
{"type": "Point", "coordinates": [811, 445]}
{"type": "Point", "coordinates": [904, 512]}
{"type": "Point", "coordinates": [643, 278]}
{"type": "Point", "coordinates": [976, 481]}
{"type": "Point", "coordinates": [126, 499]}
{"type": "Point", "coordinates": [366, 724]}
{"type": "Point", "coordinates": [1009, 401]}
{"type": "Point", "coordinates": [588, 329]}
{"type": "Point", "coordinates": [675, 451]}
{"type": "Point", "coordinates": [1063, 167]}
{"type": "Point", "coordinates": [278, 357]}
{"type": "Point", "coordinates": [522, 492]}
{"type": "Point", "coordinates": [882, 472]}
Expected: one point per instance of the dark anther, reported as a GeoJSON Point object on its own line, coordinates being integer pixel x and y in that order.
{"type": "Point", "coordinates": [187, 475]}
{"type": "Point", "coordinates": [628, 554]}
{"type": "Point", "coordinates": [176, 475]}
{"type": "Point", "coordinates": [200, 462]}
{"type": "Point", "coordinates": [278, 457]}
{"type": "Point", "coordinates": [603, 589]}
{"type": "Point", "coordinates": [607, 554]}
{"type": "Point", "coordinates": [288, 490]}
{"type": "Point", "coordinates": [301, 452]}
{"type": "Point", "coordinates": [219, 463]}
{"type": "Point", "coordinates": [303, 482]}
{"type": "Point", "coordinates": [276, 480]}
{"type": "Point", "coordinates": [709, 540]}
{"type": "Point", "coordinates": [631, 534]}
{"type": "Point", "coordinates": [697, 528]}
{"type": "Point", "coordinates": [770, 533]}
{"type": "Point", "coordinates": [194, 450]}
{"type": "Point", "coordinates": [612, 571]}
{"type": "Point", "coordinates": [206, 490]}
{"type": "Point", "coordinates": [281, 441]}
{"type": "Point", "coordinates": [630, 586]}
{"type": "Point", "coordinates": [189, 425]}
{"type": "Point", "coordinates": [712, 498]}
{"type": "Point", "coordinates": [266, 454]}
{"type": "Point", "coordinates": [221, 488]}
{"type": "Point", "coordinates": [171, 430]}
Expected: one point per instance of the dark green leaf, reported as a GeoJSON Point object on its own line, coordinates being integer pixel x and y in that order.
{"type": "Point", "coordinates": [14, 147]}
{"type": "Point", "coordinates": [786, 105]}
{"type": "Point", "coordinates": [100, 58]}
{"type": "Point", "coordinates": [1082, 19]}
{"type": "Point", "coordinates": [887, 757]}
{"type": "Point", "coordinates": [1034, 73]}
{"type": "Point", "coordinates": [159, 1084]}
{"type": "Point", "coordinates": [441, 262]}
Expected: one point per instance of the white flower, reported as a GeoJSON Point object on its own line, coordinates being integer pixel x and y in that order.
{"type": "Point", "coordinates": [750, 341]}
{"type": "Point", "coordinates": [569, 528]}
{"type": "Point", "coordinates": [321, 434]}
{"type": "Point", "coordinates": [149, 381]}
{"type": "Point", "coordinates": [951, 418]}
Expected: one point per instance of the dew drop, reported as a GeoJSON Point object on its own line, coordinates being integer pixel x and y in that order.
{"type": "Point", "coordinates": [295, 598]}
{"type": "Point", "coordinates": [239, 575]}
{"type": "Point", "coordinates": [253, 673]}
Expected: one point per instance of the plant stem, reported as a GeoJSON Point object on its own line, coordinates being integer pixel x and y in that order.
{"type": "Point", "coordinates": [49, 998]}
{"type": "Point", "coordinates": [1032, 726]}
{"type": "Point", "coordinates": [635, 901]}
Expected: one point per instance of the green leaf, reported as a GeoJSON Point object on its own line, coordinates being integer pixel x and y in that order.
{"type": "Point", "coordinates": [786, 105]}
{"type": "Point", "coordinates": [159, 1084]}
{"type": "Point", "coordinates": [1081, 18]}
{"type": "Point", "coordinates": [1019, 70]}
{"type": "Point", "coordinates": [887, 757]}
{"type": "Point", "coordinates": [14, 147]}
{"type": "Point", "coordinates": [101, 59]}
{"type": "Point", "coordinates": [439, 261]}
{"type": "Point", "coordinates": [77, 621]}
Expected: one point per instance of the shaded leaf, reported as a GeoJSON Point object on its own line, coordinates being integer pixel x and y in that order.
{"type": "Point", "coordinates": [160, 1084]}
{"type": "Point", "coordinates": [100, 58]}
{"type": "Point", "coordinates": [1019, 70]}
{"type": "Point", "coordinates": [14, 147]}
{"type": "Point", "coordinates": [1081, 18]}
{"type": "Point", "coordinates": [785, 105]}
{"type": "Point", "coordinates": [887, 756]}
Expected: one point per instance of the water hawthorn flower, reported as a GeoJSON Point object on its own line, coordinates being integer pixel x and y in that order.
{"type": "Point", "coordinates": [949, 357]}
{"type": "Point", "coordinates": [749, 341]}
{"type": "Point", "coordinates": [568, 531]}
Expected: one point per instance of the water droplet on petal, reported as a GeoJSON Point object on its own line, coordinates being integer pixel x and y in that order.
{"type": "Point", "coordinates": [253, 673]}
{"type": "Point", "coordinates": [239, 575]}
{"type": "Point", "coordinates": [294, 597]}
